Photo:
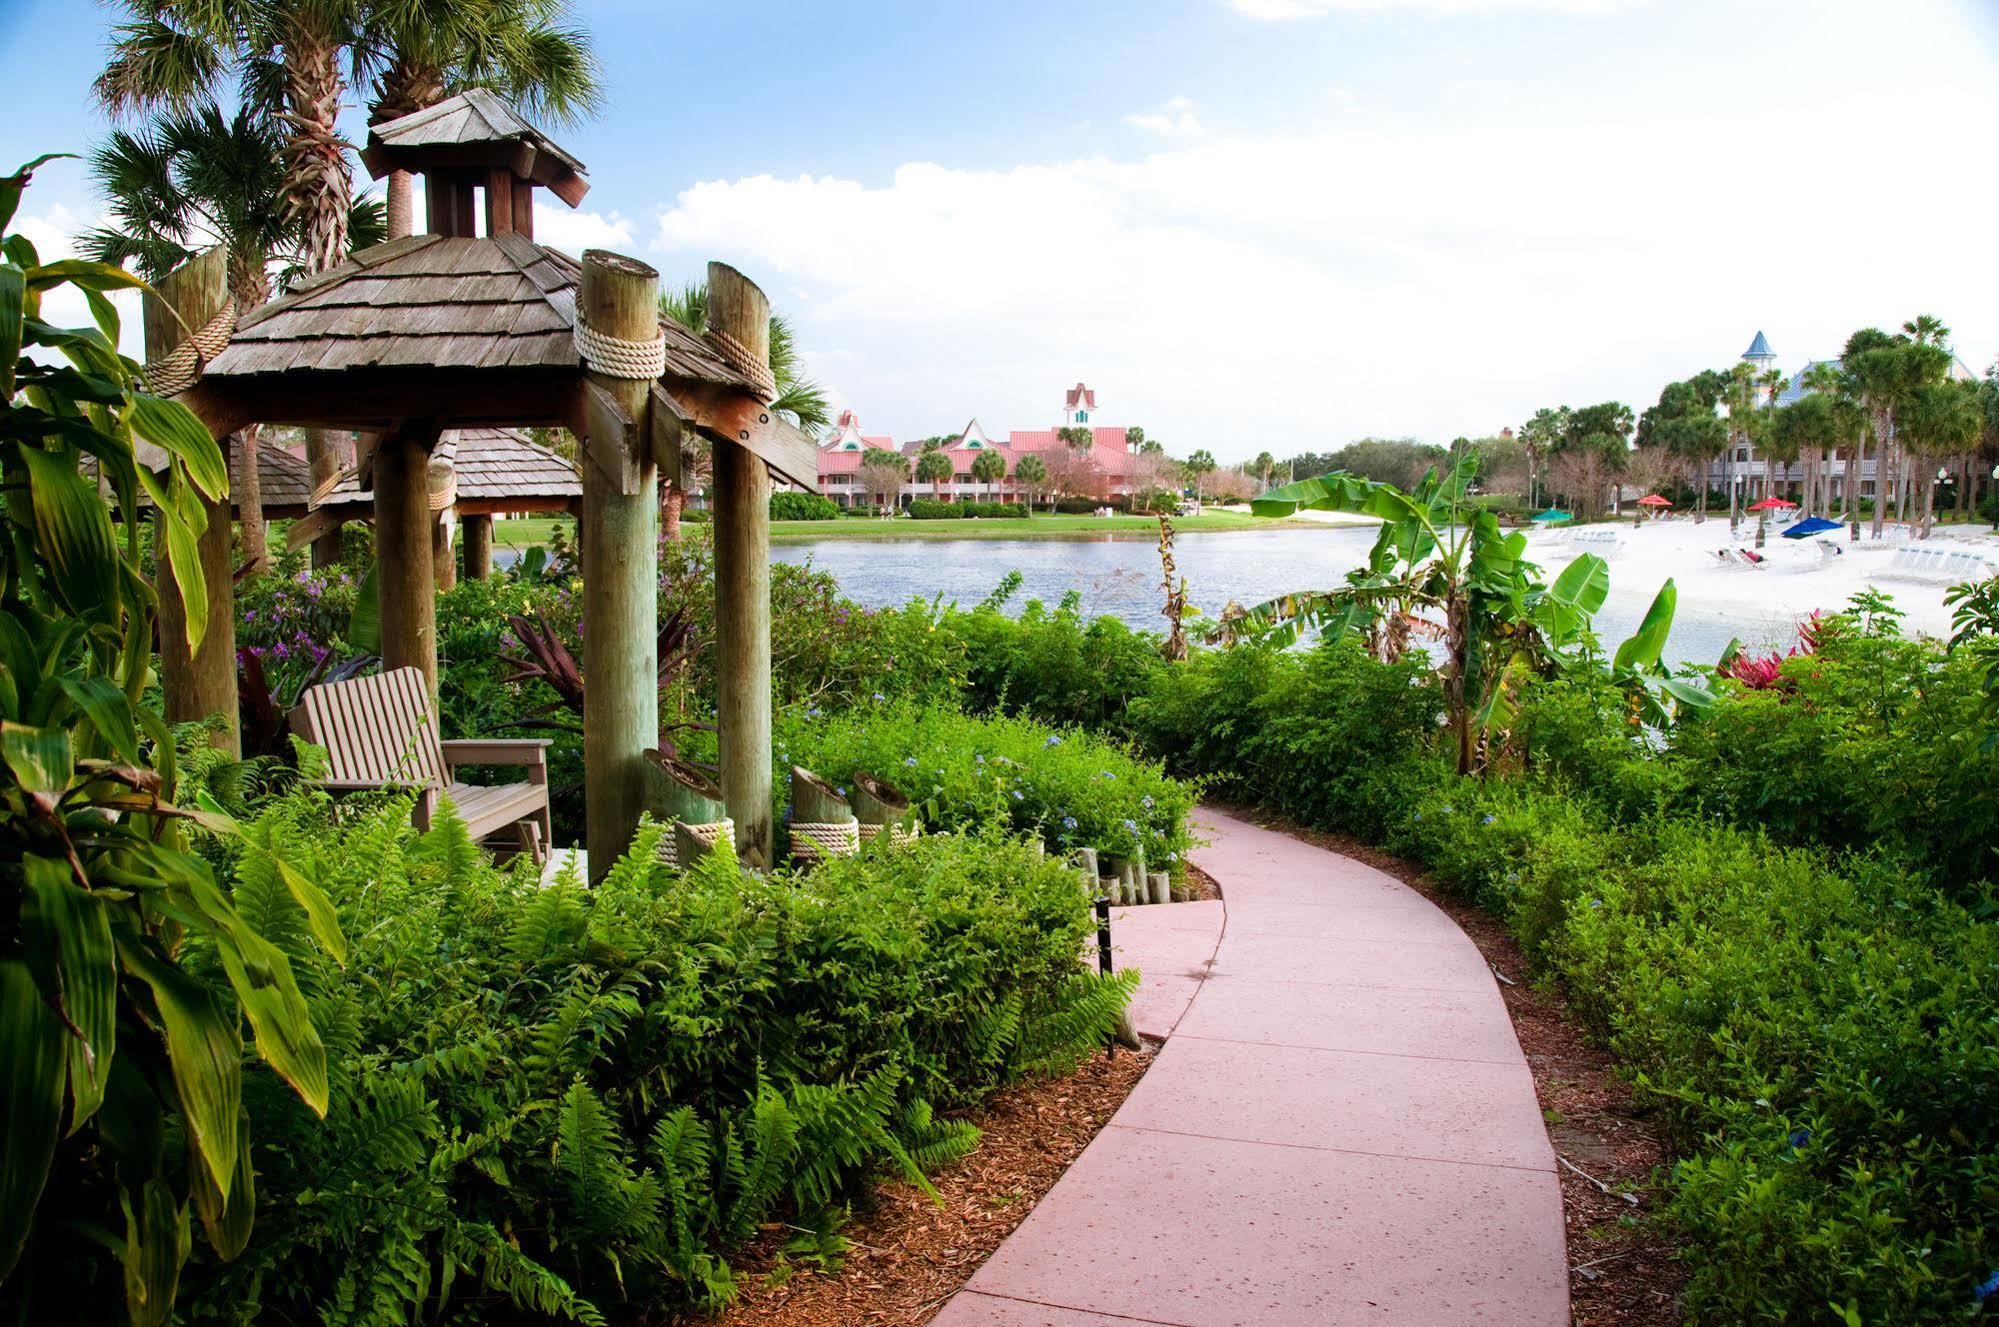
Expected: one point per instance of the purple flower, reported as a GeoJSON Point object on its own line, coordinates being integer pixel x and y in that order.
{"type": "Point", "coordinates": [1053, 740]}
{"type": "Point", "coordinates": [909, 762]}
{"type": "Point", "coordinates": [1068, 822]}
{"type": "Point", "coordinates": [1799, 1137]}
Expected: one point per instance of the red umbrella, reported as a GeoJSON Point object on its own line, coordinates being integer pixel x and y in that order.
{"type": "Point", "coordinates": [1654, 500]}
{"type": "Point", "coordinates": [1772, 504]}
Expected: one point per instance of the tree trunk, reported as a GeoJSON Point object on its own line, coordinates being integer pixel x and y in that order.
{"type": "Point", "coordinates": [326, 455]}
{"type": "Point", "coordinates": [477, 534]}
{"type": "Point", "coordinates": [199, 682]}
{"type": "Point", "coordinates": [401, 204]}
{"type": "Point", "coordinates": [672, 502]}
{"type": "Point", "coordinates": [247, 483]}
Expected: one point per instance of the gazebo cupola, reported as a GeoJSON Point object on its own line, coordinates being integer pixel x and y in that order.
{"type": "Point", "coordinates": [479, 161]}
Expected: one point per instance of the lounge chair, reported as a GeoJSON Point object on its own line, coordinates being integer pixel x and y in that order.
{"type": "Point", "coordinates": [379, 732]}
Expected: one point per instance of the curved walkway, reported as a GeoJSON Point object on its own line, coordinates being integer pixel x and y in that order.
{"type": "Point", "coordinates": [1340, 1129]}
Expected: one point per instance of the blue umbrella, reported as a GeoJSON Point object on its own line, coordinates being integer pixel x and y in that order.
{"type": "Point", "coordinates": [1810, 526]}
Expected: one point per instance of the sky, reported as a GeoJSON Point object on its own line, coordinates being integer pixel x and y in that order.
{"type": "Point", "coordinates": [1255, 224]}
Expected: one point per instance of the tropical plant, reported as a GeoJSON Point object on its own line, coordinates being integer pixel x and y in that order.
{"type": "Point", "coordinates": [1498, 623]}
{"type": "Point", "coordinates": [1076, 438]}
{"type": "Point", "coordinates": [934, 469]}
{"type": "Point", "coordinates": [989, 467]}
{"type": "Point", "coordinates": [1685, 424]}
{"type": "Point", "coordinates": [1197, 467]}
{"type": "Point", "coordinates": [1939, 420]}
{"type": "Point", "coordinates": [1031, 473]}
{"type": "Point", "coordinates": [799, 399]}
{"type": "Point", "coordinates": [126, 971]}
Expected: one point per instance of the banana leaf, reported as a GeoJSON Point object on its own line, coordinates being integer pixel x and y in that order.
{"type": "Point", "coordinates": [31, 1095]}
{"type": "Point", "coordinates": [69, 929]}
{"type": "Point", "coordinates": [205, 1051]}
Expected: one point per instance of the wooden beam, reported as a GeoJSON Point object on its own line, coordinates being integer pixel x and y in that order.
{"type": "Point", "coordinates": [610, 439]}
{"type": "Point", "coordinates": [735, 416]}
{"type": "Point", "coordinates": [499, 201]}
{"type": "Point", "coordinates": [310, 527]}
{"type": "Point", "coordinates": [201, 682]}
{"type": "Point", "coordinates": [373, 400]}
{"type": "Point", "coordinates": [404, 581]}
{"type": "Point", "coordinates": [741, 488]}
{"type": "Point", "coordinates": [618, 297]}
{"type": "Point", "coordinates": [476, 531]}
{"type": "Point", "coordinates": [523, 202]}
{"type": "Point", "coordinates": [668, 428]}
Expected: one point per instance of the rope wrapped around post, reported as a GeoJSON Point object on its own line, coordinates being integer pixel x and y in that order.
{"type": "Point", "coordinates": [755, 368]}
{"type": "Point", "coordinates": [815, 841]}
{"type": "Point", "coordinates": [705, 836]}
{"type": "Point", "coordinates": [181, 369]}
{"type": "Point", "coordinates": [615, 357]}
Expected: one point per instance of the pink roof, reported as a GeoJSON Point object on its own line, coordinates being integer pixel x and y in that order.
{"type": "Point", "coordinates": [1083, 394]}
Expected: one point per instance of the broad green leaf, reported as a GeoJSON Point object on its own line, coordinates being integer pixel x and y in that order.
{"type": "Point", "coordinates": [38, 757]}
{"type": "Point", "coordinates": [73, 929]}
{"type": "Point", "coordinates": [157, 1241]}
{"type": "Point", "coordinates": [13, 291]}
{"type": "Point", "coordinates": [108, 711]}
{"type": "Point", "coordinates": [12, 185]}
{"type": "Point", "coordinates": [227, 1219]}
{"type": "Point", "coordinates": [103, 313]}
{"type": "Point", "coordinates": [1690, 694]}
{"type": "Point", "coordinates": [1649, 641]}
{"type": "Point", "coordinates": [31, 1092]}
{"type": "Point", "coordinates": [172, 426]}
{"type": "Point", "coordinates": [320, 916]}
{"type": "Point", "coordinates": [364, 629]}
{"type": "Point", "coordinates": [269, 994]}
{"type": "Point", "coordinates": [206, 1053]}
{"type": "Point", "coordinates": [1583, 584]}
{"type": "Point", "coordinates": [85, 273]}
{"type": "Point", "coordinates": [184, 559]}
{"type": "Point", "coordinates": [73, 533]}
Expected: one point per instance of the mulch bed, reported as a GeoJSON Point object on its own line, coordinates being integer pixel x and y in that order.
{"type": "Point", "coordinates": [906, 1255]}
{"type": "Point", "coordinates": [1621, 1267]}
{"type": "Point", "coordinates": [1198, 885]}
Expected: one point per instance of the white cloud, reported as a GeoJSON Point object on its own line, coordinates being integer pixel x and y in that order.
{"type": "Point", "coordinates": [1176, 119]}
{"type": "Point", "coordinates": [1289, 290]}
{"type": "Point", "coordinates": [54, 232]}
{"type": "Point", "coordinates": [573, 232]}
{"type": "Point", "coordinates": [1277, 11]}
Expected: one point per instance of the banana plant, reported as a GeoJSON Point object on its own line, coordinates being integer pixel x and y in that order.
{"type": "Point", "coordinates": [124, 1060]}
{"type": "Point", "coordinates": [1443, 568]}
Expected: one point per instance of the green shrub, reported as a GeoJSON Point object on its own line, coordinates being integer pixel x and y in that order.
{"type": "Point", "coordinates": [790, 506]}
{"type": "Point", "coordinates": [1056, 666]}
{"type": "Point", "coordinates": [928, 509]}
{"type": "Point", "coordinates": [578, 1101]}
{"type": "Point", "coordinates": [1071, 788]}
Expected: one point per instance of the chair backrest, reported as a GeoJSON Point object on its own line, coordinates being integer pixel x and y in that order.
{"type": "Point", "coordinates": [377, 729]}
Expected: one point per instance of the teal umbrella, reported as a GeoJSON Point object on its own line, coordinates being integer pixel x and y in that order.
{"type": "Point", "coordinates": [1552, 514]}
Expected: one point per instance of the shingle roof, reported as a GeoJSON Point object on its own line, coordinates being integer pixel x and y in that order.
{"type": "Point", "coordinates": [435, 302]}
{"type": "Point", "coordinates": [285, 482]}
{"type": "Point", "coordinates": [502, 466]}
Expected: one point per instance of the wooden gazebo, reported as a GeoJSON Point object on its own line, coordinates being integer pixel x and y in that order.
{"type": "Point", "coordinates": [459, 330]}
{"type": "Point", "coordinates": [473, 475]}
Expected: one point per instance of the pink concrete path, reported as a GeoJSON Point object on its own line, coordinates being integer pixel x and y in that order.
{"type": "Point", "coordinates": [1340, 1129]}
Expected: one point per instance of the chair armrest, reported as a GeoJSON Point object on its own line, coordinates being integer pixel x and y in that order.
{"type": "Point", "coordinates": [363, 785]}
{"type": "Point", "coordinates": [496, 751]}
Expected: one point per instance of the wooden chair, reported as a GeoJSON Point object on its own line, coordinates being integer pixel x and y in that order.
{"type": "Point", "coordinates": [379, 733]}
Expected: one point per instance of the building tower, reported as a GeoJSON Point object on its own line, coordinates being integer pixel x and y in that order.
{"type": "Point", "coordinates": [1079, 406]}
{"type": "Point", "coordinates": [1759, 356]}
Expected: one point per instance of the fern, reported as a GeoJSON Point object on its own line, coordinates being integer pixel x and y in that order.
{"type": "Point", "coordinates": [1080, 1016]}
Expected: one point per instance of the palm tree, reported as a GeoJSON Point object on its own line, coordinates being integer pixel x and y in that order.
{"type": "Point", "coordinates": [1540, 435]}
{"type": "Point", "coordinates": [798, 398]}
{"type": "Point", "coordinates": [988, 467]}
{"type": "Point", "coordinates": [1031, 473]}
{"type": "Point", "coordinates": [883, 472]}
{"type": "Point", "coordinates": [422, 51]}
{"type": "Point", "coordinates": [285, 55]}
{"type": "Point", "coordinates": [1739, 395]}
{"type": "Point", "coordinates": [1773, 384]}
{"type": "Point", "coordinates": [934, 468]}
{"type": "Point", "coordinates": [1076, 438]}
{"type": "Point", "coordinates": [1262, 466]}
{"type": "Point", "coordinates": [1134, 438]}
{"type": "Point", "coordinates": [1938, 420]}
{"type": "Point", "coordinates": [1199, 466]}
{"type": "Point", "coordinates": [184, 183]}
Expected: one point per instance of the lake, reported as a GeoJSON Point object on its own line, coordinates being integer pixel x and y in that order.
{"type": "Point", "coordinates": [1119, 575]}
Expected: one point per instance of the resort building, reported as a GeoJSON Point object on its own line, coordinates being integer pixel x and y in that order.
{"type": "Point", "coordinates": [1109, 466]}
{"type": "Point", "coordinates": [1746, 469]}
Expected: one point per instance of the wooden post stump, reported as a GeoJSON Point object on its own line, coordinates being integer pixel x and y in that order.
{"type": "Point", "coordinates": [443, 558]}
{"type": "Point", "coordinates": [741, 492]}
{"type": "Point", "coordinates": [199, 682]}
{"type": "Point", "coordinates": [476, 532]}
{"type": "Point", "coordinates": [404, 579]}
{"type": "Point", "coordinates": [680, 795]}
{"type": "Point", "coordinates": [882, 809]}
{"type": "Point", "coordinates": [822, 820]}
{"type": "Point", "coordinates": [619, 298]}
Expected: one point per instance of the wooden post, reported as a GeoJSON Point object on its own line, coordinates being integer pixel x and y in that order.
{"type": "Point", "coordinates": [619, 297]}
{"type": "Point", "coordinates": [476, 532]}
{"type": "Point", "coordinates": [195, 684]}
{"type": "Point", "coordinates": [326, 458]}
{"type": "Point", "coordinates": [741, 499]}
{"type": "Point", "coordinates": [443, 560]}
{"type": "Point", "coordinates": [403, 520]}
